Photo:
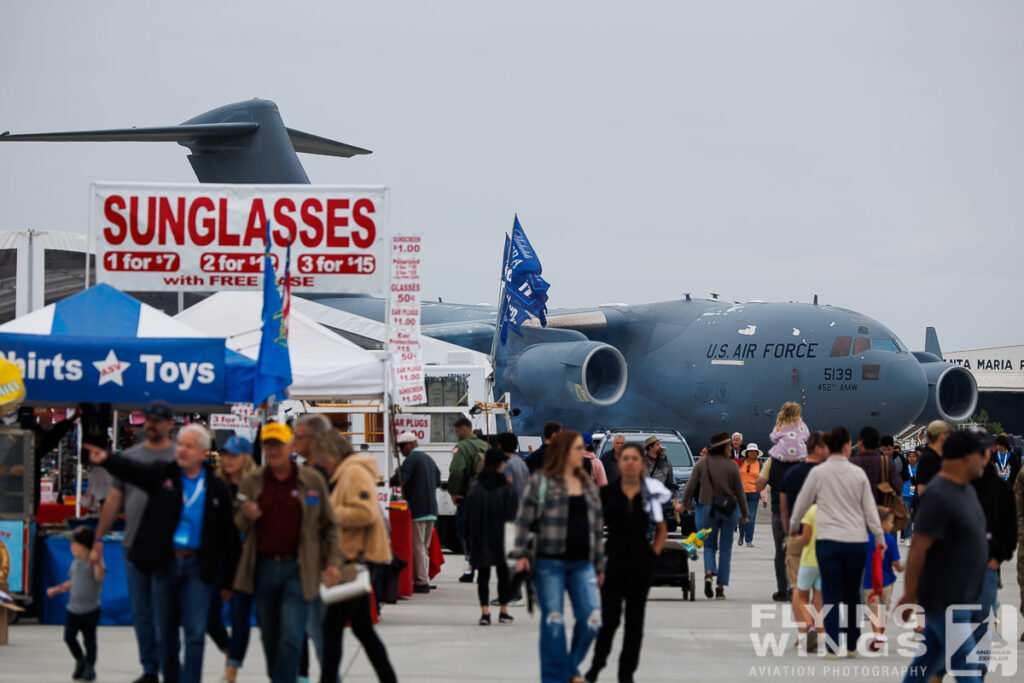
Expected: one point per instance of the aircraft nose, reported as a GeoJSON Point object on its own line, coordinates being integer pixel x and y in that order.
{"type": "Point", "coordinates": [906, 389]}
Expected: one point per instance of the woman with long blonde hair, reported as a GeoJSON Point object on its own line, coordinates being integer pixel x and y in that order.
{"type": "Point", "coordinates": [789, 438]}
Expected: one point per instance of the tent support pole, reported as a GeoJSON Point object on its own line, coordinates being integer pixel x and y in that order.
{"type": "Point", "coordinates": [78, 483]}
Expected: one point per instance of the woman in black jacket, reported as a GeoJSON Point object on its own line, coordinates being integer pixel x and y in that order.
{"type": "Point", "coordinates": [490, 502]}
{"type": "Point", "coordinates": [632, 506]}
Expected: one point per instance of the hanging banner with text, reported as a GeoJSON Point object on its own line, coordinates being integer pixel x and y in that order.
{"type": "Point", "coordinates": [161, 237]}
{"type": "Point", "coordinates": [404, 321]}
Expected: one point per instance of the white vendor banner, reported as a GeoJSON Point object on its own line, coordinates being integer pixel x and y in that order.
{"type": "Point", "coordinates": [166, 237]}
{"type": "Point", "coordinates": [404, 321]}
{"type": "Point", "coordinates": [419, 425]}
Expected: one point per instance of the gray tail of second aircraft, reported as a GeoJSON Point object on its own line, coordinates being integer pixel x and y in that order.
{"type": "Point", "coordinates": [244, 142]}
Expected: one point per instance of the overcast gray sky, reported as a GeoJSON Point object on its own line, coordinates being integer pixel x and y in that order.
{"type": "Point", "coordinates": [869, 152]}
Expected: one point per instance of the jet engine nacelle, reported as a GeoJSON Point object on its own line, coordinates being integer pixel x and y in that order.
{"type": "Point", "coordinates": [569, 374]}
{"type": "Point", "coordinates": [952, 391]}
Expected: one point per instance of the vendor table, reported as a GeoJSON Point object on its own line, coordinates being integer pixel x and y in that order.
{"type": "Point", "coordinates": [54, 513]}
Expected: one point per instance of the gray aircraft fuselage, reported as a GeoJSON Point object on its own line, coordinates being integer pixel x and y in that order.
{"type": "Point", "coordinates": [696, 366]}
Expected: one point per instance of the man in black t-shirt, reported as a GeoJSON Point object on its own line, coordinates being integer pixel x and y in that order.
{"type": "Point", "coordinates": [948, 554]}
{"type": "Point", "coordinates": [535, 460]}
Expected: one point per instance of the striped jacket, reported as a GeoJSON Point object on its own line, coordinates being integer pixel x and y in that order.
{"type": "Point", "coordinates": [554, 519]}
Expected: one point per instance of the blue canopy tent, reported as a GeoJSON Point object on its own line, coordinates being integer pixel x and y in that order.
{"type": "Point", "coordinates": [104, 346]}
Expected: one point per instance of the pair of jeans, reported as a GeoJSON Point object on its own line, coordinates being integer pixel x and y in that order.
{"type": "Point", "coordinates": [281, 612]}
{"type": "Point", "coordinates": [85, 624]}
{"type": "Point", "coordinates": [182, 600]}
{"type": "Point", "coordinates": [719, 542]}
{"type": "Point", "coordinates": [988, 599]}
{"type": "Point", "coordinates": [931, 660]}
{"type": "Point", "coordinates": [422, 535]}
{"type": "Point", "coordinates": [140, 590]}
{"type": "Point", "coordinates": [779, 536]}
{"type": "Point", "coordinates": [483, 579]}
{"type": "Point", "coordinates": [235, 644]}
{"type": "Point", "coordinates": [842, 569]}
{"type": "Point", "coordinates": [908, 531]}
{"type": "Point", "coordinates": [460, 529]}
{"type": "Point", "coordinates": [627, 580]}
{"type": "Point", "coordinates": [747, 530]}
{"type": "Point", "coordinates": [551, 579]}
{"type": "Point", "coordinates": [314, 632]}
{"type": "Point", "coordinates": [357, 613]}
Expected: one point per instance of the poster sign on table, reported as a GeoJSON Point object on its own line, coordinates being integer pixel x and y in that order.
{"type": "Point", "coordinates": [177, 237]}
{"type": "Point", "coordinates": [12, 555]}
{"type": "Point", "coordinates": [242, 418]}
{"type": "Point", "coordinates": [417, 424]}
{"type": "Point", "coordinates": [404, 321]}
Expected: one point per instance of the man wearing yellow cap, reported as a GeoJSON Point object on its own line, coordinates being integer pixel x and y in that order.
{"type": "Point", "coordinates": [287, 520]}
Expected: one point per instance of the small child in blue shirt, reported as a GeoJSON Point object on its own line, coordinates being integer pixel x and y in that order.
{"type": "Point", "coordinates": [890, 562]}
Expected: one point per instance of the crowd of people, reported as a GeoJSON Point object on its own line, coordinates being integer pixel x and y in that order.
{"type": "Point", "coordinates": [559, 521]}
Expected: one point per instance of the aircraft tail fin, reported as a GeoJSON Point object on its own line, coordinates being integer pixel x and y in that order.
{"type": "Point", "coordinates": [931, 342]}
{"type": "Point", "coordinates": [244, 142]}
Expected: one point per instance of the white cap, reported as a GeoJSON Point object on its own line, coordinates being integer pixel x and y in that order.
{"type": "Point", "coordinates": [753, 447]}
{"type": "Point", "coordinates": [406, 437]}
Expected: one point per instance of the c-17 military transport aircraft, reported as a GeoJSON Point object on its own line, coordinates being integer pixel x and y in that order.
{"type": "Point", "coordinates": [698, 366]}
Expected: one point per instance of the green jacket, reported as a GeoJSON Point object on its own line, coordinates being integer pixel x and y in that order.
{"type": "Point", "coordinates": [467, 461]}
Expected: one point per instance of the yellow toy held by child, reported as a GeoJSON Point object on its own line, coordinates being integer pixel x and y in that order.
{"type": "Point", "coordinates": [695, 541]}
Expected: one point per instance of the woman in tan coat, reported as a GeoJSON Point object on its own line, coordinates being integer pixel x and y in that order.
{"type": "Point", "coordinates": [364, 538]}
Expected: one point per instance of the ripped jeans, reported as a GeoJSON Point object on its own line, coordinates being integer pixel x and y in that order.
{"type": "Point", "coordinates": [552, 578]}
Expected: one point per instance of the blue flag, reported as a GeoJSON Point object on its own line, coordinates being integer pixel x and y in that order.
{"type": "Point", "coordinates": [273, 366]}
{"type": "Point", "coordinates": [525, 291]}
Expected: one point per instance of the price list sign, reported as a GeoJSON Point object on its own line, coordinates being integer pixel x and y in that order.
{"type": "Point", "coordinates": [404, 321]}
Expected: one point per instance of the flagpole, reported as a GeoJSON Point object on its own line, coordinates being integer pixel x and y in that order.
{"type": "Point", "coordinates": [501, 307]}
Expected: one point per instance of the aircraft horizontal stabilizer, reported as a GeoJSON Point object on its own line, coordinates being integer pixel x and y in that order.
{"type": "Point", "coordinates": [183, 133]}
{"type": "Point", "coordinates": [314, 144]}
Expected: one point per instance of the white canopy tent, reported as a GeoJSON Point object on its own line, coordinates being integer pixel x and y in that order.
{"type": "Point", "coordinates": [325, 365]}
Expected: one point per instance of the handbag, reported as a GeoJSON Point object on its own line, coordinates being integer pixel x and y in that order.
{"type": "Point", "coordinates": [354, 583]}
{"type": "Point", "coordinates": [893, 500]}
{"type": "Point", "coordinates": [531, 536]}
{"type": "Point", "coordinates": [721, 503]}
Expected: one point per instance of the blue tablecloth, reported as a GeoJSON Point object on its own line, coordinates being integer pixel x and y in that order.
{"type": "Point", "coordinates": [115, 606]}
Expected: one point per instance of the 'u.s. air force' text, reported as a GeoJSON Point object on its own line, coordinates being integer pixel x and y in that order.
{"type": "Point", "coordinates": [769, 350]}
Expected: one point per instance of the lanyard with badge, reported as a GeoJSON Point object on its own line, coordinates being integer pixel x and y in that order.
{"type": "Point", "coordinates": [183, 533]}
{"type": "Point", "coordinates": [1003, 465]}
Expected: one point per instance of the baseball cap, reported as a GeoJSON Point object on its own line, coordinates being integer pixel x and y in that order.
{"type": "Point", "coordinates": [936, 428]}
{"type": "Point", "coordinates": [275, 431]}
{"type": "Point", "coordinates": [405, 437]}
{"type": "Point", "coordinates": [959, 445]}
{"type": "Point", "coordinates": [588, 439]}
{"type": "Point", "coordinates": [160, 409]}
{"type": "Point", "coordinates": [237, 444]}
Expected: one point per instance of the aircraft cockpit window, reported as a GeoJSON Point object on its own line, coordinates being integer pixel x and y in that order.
{"type": "Point", "coordinates": [885, 345]}
{"type": "Point", "coordinates": [860, 345]}
{"type": "Point", "coordinates": [841, 347]}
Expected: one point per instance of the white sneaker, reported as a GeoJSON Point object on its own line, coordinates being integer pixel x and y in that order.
{"type": "Point", "coordinates": [521, 602]}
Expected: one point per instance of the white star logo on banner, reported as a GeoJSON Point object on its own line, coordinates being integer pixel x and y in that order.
{"type": "Point", "coordinates": [111, 369]}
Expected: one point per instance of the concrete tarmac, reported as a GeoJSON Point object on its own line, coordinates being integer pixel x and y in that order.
{"type": "Point", "coordinates": [435, 638]}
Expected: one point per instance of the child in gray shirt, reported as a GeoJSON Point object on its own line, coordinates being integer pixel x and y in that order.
{"type": "Point", "coordinates": [83, 611]}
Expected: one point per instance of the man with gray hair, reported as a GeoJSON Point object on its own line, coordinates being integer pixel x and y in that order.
{"type": "Point", "coordinates": [185, 534]}
{"type": "Point", "coordinates": [610, 459]}
{"type": "Point", "coordinates": [737, 452]}
{"type": "Point", "coordinates": [307, 428]}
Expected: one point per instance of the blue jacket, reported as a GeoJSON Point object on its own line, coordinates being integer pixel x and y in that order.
{"type": "Point", "coordinates": [420, 479]}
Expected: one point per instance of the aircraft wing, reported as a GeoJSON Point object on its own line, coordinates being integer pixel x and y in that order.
{"type": "Point", "coordinates": [183, 133]}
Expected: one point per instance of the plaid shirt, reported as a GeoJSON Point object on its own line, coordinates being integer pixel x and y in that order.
{"type": "Point", "coordinates": [554, 519]}
{"type": "Point", "coordinates": [871, 463]}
